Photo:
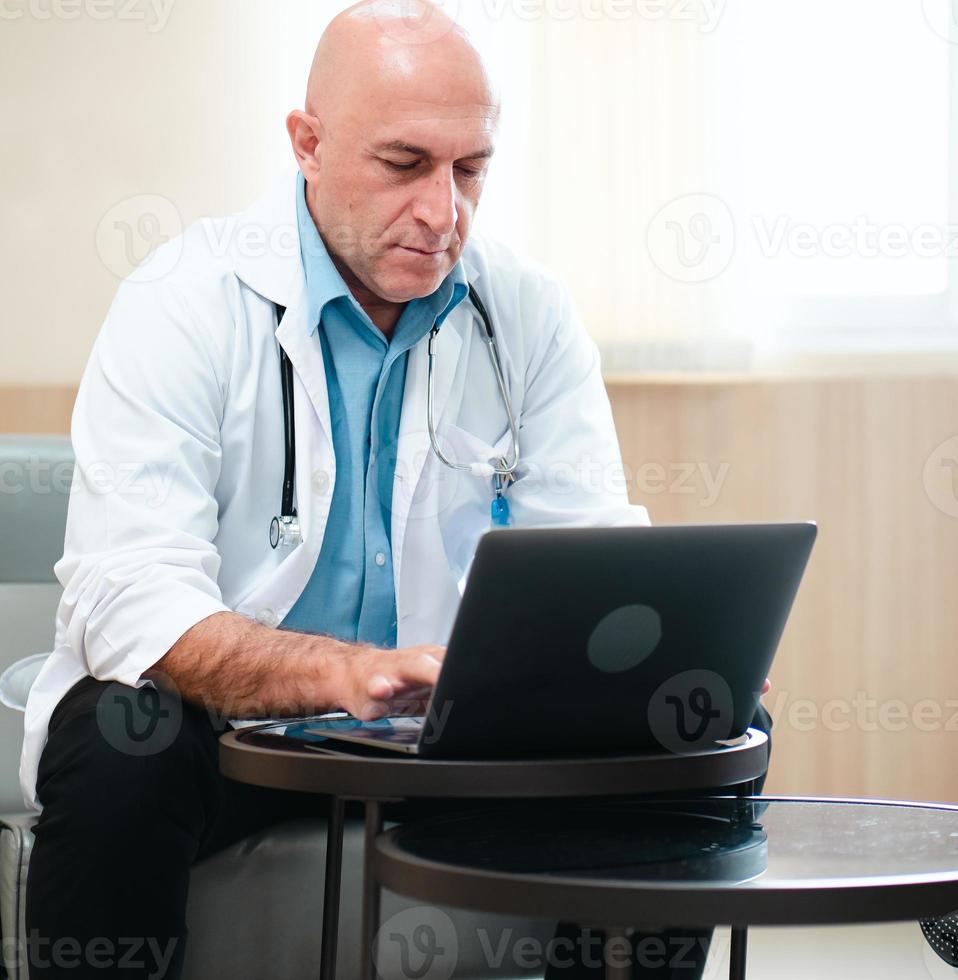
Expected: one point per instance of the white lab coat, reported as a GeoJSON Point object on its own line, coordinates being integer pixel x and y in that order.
{"type": "Point", "coordinates": [178, 437]}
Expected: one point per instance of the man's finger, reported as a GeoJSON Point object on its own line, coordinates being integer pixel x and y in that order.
{"type": "Point", "coordinates": [380, 687]}
{"type": "Point", "coordinates": [418, 671]}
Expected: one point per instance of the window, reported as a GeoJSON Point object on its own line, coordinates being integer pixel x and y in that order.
{"type": "Point", "coordinates": [718, 182]}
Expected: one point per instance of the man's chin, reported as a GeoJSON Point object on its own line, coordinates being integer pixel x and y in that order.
{"type": "Point", "coordinates": [405, 286]}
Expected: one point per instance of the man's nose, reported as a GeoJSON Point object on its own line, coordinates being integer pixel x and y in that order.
{"type": "Point", "coordinates": [436, 203]}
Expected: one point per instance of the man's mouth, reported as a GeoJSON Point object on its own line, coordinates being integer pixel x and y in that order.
{"type": "Point", "coordinates": [426, 253]}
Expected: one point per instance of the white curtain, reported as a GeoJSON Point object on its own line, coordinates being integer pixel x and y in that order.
{"type": "Point", "coordinates": [723, 183]}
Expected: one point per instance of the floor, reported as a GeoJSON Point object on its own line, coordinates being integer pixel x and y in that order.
{"type": "Point", "coordinates": [886, 952]}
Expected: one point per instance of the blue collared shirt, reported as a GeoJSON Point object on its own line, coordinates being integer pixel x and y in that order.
{"type": "Point", "coordinates": [351, 594]}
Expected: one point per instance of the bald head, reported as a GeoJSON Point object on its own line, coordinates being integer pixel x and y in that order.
{"type": "Point", "coordinates": [394, 143]}
{"type": "Point", "coordinates": [381, 44]}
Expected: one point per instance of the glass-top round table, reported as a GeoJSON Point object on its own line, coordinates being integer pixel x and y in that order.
{"type": "Point", "coordinates": [720, 861]}
{"type": "Point", "coordinates": [298, 755]}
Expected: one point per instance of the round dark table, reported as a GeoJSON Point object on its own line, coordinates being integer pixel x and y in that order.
{"type": "Point", "coordinates": [286, 756]}
{"type": "Point", "coordinates": [735, 861]}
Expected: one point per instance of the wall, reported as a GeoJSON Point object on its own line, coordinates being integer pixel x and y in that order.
{"type": "Point", "coordinates": [868, 657]}
{"type": "Point", "coordinates": [122, 123]}
{"type": "Point", "coordinates": [876, 618]}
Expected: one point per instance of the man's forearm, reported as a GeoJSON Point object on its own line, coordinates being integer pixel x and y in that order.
{"type": "Point", "coordinates": [241, 669]}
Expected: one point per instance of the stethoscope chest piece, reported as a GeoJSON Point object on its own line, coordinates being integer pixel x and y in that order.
{"type": "Point", "coordinates": [284, 532]}
{"type": "Point", "coordinates": [501, 515]}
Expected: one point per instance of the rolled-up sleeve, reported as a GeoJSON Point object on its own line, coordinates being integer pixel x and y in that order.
{"type": "Point", "coordinates": [139, 567]}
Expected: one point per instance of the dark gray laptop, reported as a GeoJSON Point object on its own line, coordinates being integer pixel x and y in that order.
{"type": "Point", "coordinates": [604, 640]}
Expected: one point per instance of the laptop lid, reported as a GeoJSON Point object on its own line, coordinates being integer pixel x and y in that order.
{"type": "Point", "coordinates": [625, 639]}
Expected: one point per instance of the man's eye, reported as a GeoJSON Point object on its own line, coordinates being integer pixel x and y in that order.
{"type": "Point", "coordinates": [401, 166]}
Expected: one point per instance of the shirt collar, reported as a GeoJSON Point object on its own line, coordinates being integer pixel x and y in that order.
{"type": "Point", "coordinates": [451, 292]}
{"type": "Point", "coordinates": [325, 284]}
{"type": "Point", "coordinates": [323, 281]}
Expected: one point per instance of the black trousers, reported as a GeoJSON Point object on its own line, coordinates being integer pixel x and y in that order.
{"type": "Point", "coordinates": [133, 797]}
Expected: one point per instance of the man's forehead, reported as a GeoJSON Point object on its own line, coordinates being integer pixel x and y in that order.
{"type": "Point", "coordinates": [457, 130]}
{"type": "Point", "coordinates": [417, 110]}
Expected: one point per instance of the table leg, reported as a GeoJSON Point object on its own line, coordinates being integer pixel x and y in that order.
{"type": "Point", "coordinates": [736, 970]}
{"type": "Point", "coordinates": [615, 968]}
{"type": "Point", "coordinates": [371, 892]}
{"type": "Point", "coordinates": [746, 789]}
{"type": "Point", "coordinates": [331, 893]}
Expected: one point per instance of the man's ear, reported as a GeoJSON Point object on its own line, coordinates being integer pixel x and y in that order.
{"type": "Point", "coordinates": [305, 135]}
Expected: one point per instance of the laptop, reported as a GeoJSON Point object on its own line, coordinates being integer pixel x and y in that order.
{"type": "Point", "coordinates": [586, 641]}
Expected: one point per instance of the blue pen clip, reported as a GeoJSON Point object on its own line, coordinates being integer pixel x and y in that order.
{"type": "Point", "coordinates": [501, 517]}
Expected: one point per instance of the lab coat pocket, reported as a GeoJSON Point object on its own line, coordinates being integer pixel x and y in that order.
{"type": "Point", "coordinates": [465, 498]}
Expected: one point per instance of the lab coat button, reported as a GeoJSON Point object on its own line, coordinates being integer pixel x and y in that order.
{"type": "Point", "coordinates": [267, 617]}
{"type": "Point", "coordinates": [380, 559]}
{"type": "Point", "coordinates": [320, 482]}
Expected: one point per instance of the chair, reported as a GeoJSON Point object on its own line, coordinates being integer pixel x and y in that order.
{"type": "Point", "coordinates": [254, 909]}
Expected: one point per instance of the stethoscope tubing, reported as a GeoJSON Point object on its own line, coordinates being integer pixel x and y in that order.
{"type": "Point", "coordinates": [286, 526]}
{"type": "Point", "coordinates": [289, 467]}
{"type": "Point", "coordinates": [505, 468]}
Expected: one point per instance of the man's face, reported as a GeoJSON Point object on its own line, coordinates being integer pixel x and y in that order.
{"type": "Point", "coordinates": [397, 187]}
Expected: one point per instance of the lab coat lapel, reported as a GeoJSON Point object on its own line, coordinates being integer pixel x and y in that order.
{"type": "Point", "coordinates": [315, 455]}
{"type": "Point", "coordinates": [266, 256]}
{"type": "Point", "coordinates": [414, 446]}
{"type": "Point", "coordinates": [306, 354]}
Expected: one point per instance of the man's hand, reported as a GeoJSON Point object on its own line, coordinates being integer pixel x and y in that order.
{"type": "Point", "coordinates": [378, 683]}
{"type": "Point", "coordinates": [241, 669]}
{"type": "Point", "coordinates": [766, 687]}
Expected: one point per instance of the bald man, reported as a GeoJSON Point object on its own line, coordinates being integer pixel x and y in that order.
{"type": "Point", "coordinates": [167, 628]}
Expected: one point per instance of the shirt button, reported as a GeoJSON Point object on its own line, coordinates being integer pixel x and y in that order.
{"type": "Point", "coordinates": [267, 617]}
{"type": "Point", "coordinates": [380, 559]}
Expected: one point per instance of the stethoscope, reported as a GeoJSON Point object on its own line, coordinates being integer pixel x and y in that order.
{"type": "Point", "coordinates": [285, 531]}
